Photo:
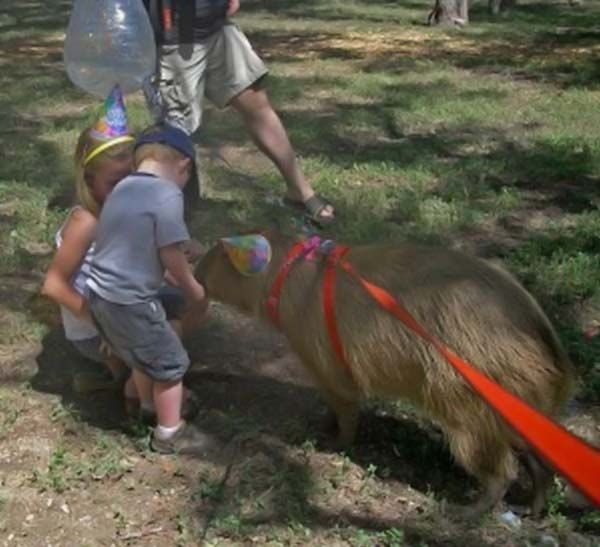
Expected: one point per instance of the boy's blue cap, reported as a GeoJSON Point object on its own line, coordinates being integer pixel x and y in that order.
{"type": "Point", "coordinates": [169, 135]}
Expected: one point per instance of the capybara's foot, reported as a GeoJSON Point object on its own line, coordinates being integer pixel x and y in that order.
{"type": "Point", "coordinates": [466, 513]}
{"type": "Point", "coordinates": [542, 479]}
{"type": "Point", "coordinates": [488, 500]}
{"type": "Point", "coordinates": [335, 444]}
{"type": "Point", "coordinates": [329, 424]}
{"type": "Point", "coordinates": [346, 414]}
{"type": "Point", "coordinates": [332, 436]}
{"type": "Point", "coordinates": [495, 489]}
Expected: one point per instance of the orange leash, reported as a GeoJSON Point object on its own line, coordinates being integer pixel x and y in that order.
{"type": "Point", "coordinates": [572, 457]}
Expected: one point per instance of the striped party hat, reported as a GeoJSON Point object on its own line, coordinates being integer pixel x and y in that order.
{"type": "Point", "coordinates": [111, 126]}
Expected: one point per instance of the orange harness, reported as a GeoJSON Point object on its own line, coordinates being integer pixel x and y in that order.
{"type": "Point", "coordinates": [575, 459]}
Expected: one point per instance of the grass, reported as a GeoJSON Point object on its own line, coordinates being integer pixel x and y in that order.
{"type": "Point", "coordinates": [67, 469]}
{"type": "Point", "coordinates": [485, 138]}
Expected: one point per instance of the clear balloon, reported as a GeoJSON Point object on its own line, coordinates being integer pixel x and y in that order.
{"type": "Point", "coordinates": [109, 42]}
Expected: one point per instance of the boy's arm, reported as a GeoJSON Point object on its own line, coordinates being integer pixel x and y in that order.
{"type": "Point", "coordinates": [174, 260]}
{"type": "Point", "coordinates": [192, 251]}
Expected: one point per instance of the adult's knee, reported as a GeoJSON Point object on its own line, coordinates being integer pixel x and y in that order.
{"type": "Point", "coordinates": [252, 101]}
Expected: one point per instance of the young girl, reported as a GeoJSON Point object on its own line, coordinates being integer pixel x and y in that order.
{"type": "Point", "coordinates": [102, 158]}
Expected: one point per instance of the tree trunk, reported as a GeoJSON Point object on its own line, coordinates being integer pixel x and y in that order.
{"type": "Point", "coordinates": [497, 6]}
{"type": "Point", "coordinates": [450, 12]}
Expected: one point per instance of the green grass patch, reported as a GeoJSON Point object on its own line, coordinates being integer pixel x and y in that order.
{"type": "Point", "coordinates": [68, 469]}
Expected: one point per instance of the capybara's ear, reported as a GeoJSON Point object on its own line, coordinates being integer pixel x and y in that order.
{"type": "Point", "coordinates": [249, 254]}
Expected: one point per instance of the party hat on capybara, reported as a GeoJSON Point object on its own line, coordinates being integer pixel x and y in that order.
{"type": "Point", "coordinates": [249, 254]}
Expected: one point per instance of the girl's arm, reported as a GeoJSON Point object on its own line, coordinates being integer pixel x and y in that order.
{"type": "Point", "coordinates": [77, 236]}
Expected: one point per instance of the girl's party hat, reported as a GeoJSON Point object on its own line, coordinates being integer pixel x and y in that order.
{"type": "Point", "coordinates": [113, 119]}
{"type": "Point", "coordinates": [111, 125]}
{"type": "Point", "coordinates": [249, 254]}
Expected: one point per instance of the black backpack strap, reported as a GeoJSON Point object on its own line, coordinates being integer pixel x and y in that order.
{"type": "Point", "coordinates": [186, 11]}
{"type": "Point", "coordinates": [153, 9]}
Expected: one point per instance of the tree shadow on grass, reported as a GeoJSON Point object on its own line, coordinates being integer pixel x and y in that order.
{"type": "Point", "coordinates": [365, 12]}
{"type": "Point", "coordinates": [548, 43]}
{"type": "Point", "coordinates": [268, 489]}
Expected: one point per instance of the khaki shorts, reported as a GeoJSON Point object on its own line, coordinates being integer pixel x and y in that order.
{"type": "Point", "coordinates": [220, 67]}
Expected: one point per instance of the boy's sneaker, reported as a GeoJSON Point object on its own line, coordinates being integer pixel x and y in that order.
{"type": "Point", "coordinates": [187, 440]}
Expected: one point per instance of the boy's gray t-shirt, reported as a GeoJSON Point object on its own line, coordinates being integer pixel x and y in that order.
{"type": "Point", "coordinates": [142, 214]}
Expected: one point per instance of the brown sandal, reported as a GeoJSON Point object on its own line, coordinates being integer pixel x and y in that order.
{"type": "Point", "coordinates": [312, 208]}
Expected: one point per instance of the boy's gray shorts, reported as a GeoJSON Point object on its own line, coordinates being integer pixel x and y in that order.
{"type": "Point", "coordinates": [141, 335]}
{"type": "Point", "coordinates": [172, 301]}
{"type": "Point", "coordinates": [219, 67]}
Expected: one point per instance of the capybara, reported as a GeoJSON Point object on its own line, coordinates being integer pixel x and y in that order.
{"type": "Point", "coordinates": [475, 308]}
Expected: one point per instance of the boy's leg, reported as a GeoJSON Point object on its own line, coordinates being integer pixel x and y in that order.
{"type": "Point", "coordinates": [149, 411]}
{"type": "Point", "coordinates": [117, 367]}
{"type": "Point", "coordinates": [167, 401]}
{"type": "Point", "coordinates": [172, 434]}
{"type": "Point", "coordinates": [143, 387]}
{"type": "Point", "coordinates": [142, 334]}
{"type": "Point", "coordinates": [85, 382]}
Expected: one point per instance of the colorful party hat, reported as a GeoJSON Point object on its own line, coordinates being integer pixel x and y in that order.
{"type": "Point", "coordinates": [111, 126]}
{"type": "Point", "coordinates": [249, 254]}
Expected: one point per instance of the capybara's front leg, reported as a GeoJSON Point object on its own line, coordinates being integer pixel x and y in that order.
{"type": "Point", "coordinates": [346, 412]}
{"type": "Point", "coordinates": [542, 479]}
{"type": "Point", "coordinates": [494, 489]}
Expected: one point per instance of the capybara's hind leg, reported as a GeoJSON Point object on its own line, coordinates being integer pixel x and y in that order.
{"type": "Point", "coordinates": [542, 479]}
{"type": "Point", "coordinates": [346, 412]}
{"type": "Point", "coordinates": [486, 456]}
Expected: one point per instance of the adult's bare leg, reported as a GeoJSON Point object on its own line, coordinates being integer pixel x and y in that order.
{"type": "Point", "coordinates": [272, 139]}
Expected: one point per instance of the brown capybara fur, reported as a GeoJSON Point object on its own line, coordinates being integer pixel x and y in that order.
{"type": "Point", "coordinates": [477, 309]}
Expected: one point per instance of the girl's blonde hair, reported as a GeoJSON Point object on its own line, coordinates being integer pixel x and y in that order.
{"type": "Point", "coordinates": [84, 172]}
